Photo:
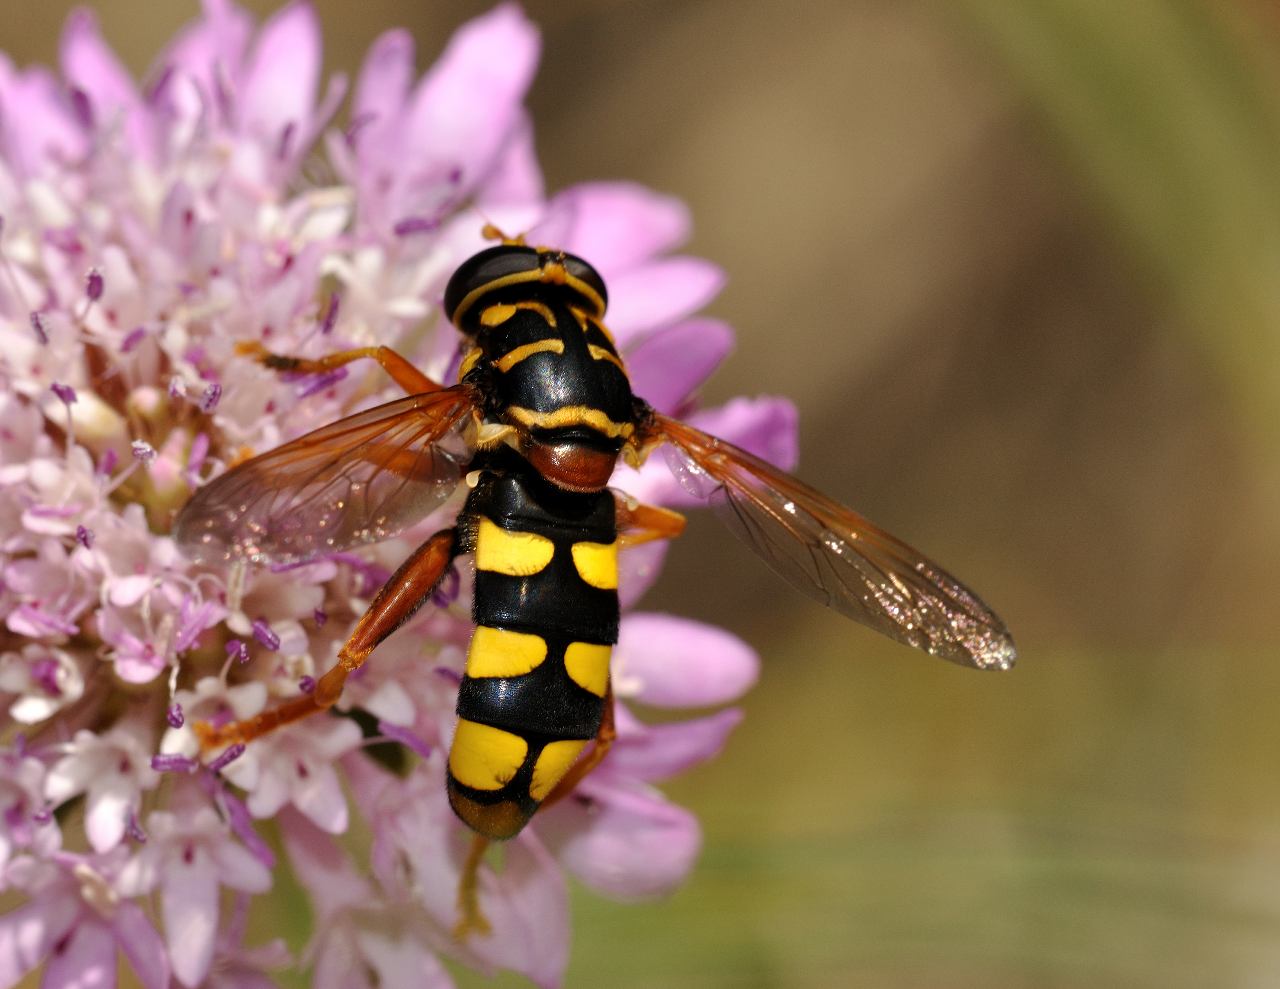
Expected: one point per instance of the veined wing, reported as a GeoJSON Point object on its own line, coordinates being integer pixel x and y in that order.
{"type": "Point", "coordinates": [358, 480]}
{"type": "Point", "coordinates": [837, 557]}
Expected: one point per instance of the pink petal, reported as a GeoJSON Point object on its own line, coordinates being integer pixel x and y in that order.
{"type": "Point", "coordinates": [638, 568]}
{"type": "Point", "coordinates": [279, 88]}
{"type": "Point", "coordinates": [321, 799]}
{"type": "Point", "coordinates": [216, 42]}
{"type": "Point", "coordinates": [668, 364]}
{"type": "Point", "coordinates": [321, 865]}
{"type": "Point", "coordinates": [613, 225]}
{"type": "Point", "coordinates": [467, 103]}
{"type": "Point", "coordinates": [624, 843]}
{"type": "Point", "coordinates": [29, 932]}
{"type": "Point", "coordinates": [35, 120]}
{"type": "Point", "coordinates": [678, 662]}
{"type": "Point", "coordinates": [515, 176]}
{"type": "Point", "coordinates": [189, 907]}
{"type": "Point", "coordinates": [238, 868]}
{"type": "Point", "coordinates": [402, 963]}
{"type": "Point", "coordinates": [107, 812]}
{"type": "Point", "coordinates": [91, 66]}
{"type": "Point", "coordinates": [381, 89]}
{"type": "Point", "coordinates": [86, 961]}
{"type": "Point", "coordinates": [658, 752]}
{"type": "Point", "coordinates": [142, 945]}
{"type": "Point", "coordinates": [658, 293]}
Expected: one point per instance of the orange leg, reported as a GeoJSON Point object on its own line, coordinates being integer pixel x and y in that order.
{"type": "Point", "coordinates": [471, 920]}
{"type": "Point", "coordinates": [394, 605]}
{"type": "Point", "coordinates": [639, 523]}
{"type": "Point", "coordinates": [405, 374]}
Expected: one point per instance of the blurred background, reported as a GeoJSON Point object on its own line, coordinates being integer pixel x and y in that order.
{"type": "Point", "coordinates": [1019, 266]}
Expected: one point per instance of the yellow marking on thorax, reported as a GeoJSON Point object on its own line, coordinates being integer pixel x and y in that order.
{"type": "Point", "coordinates": [499, 652]}
{"type": "Point", "coordinates": [600, 354]}
{"type": "Point", "coordinates": [553, 762]}
{"type": "Point", "coordinates": [500, 312]}
{"type": "Point", "coordinates": [469, 361]}
{"type": "Point", "coordinates": [588, 666]}
{"type": "Point", "coordinates": [585, 319]}
{"type": "Point", "coordinates": [571, 415]}
{"type": "Point", "coordinates": [483, 757]}
{"type": "Point", "coordinates": [597, 564]}
{"type": "Point", "coordinates": [518, 554]}
{"type": "Point", "coordinates": [514, 356]}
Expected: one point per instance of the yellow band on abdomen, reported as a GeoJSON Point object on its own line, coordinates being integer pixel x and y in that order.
{"type": "Point", "coordinates": [588, 666]}
{"type": "Point", "coordinates": [499, 652]}
{"type": "Point", "coordinates": [485, 758]}
{"type": "Point", "coordinates": [518, 554]}
{"type": "Point", "coordinates": [597, 564]}
{"type": "Point", "coordinates": [553, 762]}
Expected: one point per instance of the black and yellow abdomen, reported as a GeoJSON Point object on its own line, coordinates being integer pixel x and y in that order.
{"type": "Point", "coordinates": [546, 613]}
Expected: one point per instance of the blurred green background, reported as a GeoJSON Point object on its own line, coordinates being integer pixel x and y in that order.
{"type": "Point", "coordinates": [1019, 266]}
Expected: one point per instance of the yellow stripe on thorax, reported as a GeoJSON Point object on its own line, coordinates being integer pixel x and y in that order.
{"type": "Point", "coordinates": [485, 758]}
{"type": "Point", "coordinates": [517, 554]}
{"type": "Point", "coordinates": [571, 415]}
{"type": "Point", "coordinates": [499, 652]}
{"type": "Point", "coordinates": [600, 354]}
{"type": "Point", "coordinates": [516, 354]}
{"type": "Point", "coordinates": [500, 312]}
{"type": "Point", "coordinates": [597, 564]}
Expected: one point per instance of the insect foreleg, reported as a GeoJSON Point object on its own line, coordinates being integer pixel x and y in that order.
{"type": "Point", "coordinates": [638, 523]}
{"type": "Point", "coordinates": [408, 377]}
{"type": "Point", "coordinates": [394, 605]}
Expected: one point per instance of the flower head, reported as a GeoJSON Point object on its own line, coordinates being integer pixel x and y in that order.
{"type": "Point", "coordinates": [148, 229]}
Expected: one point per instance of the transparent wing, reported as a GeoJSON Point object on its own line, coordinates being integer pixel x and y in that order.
{"type": "Point", "coordinates": [836, 556]}
{"type": "Point", "coordinates": [358, 480]}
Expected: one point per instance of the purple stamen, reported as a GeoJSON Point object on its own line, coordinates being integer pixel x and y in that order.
{"type": "Point", "coordinates": [447, 590]}
{"type": "Point", "coordinates": [451, 675]}
{"type": "Point", "coordinates": [229, 756]}
{"type": "Point", "coordinates": [262, 632]}
{"type": "Point", "coordinates": [84, 537]}
{"type": "Point", "coordinates": [134, 830]}
{"type": "Point", "coordinates": [82, 107]}
{"type": "Point", "coordinates": [37, 324]}
{"type": "Point", "coordinates": [173, 764]}
{"type": "Point", "coordinates": [174, 716]}
{"type": "Point", "coordinates": [358, 124]}
{"type": "Point", "coordinates": [177, 387]}
{"type": "Point", "coordinates": [108, 462]}
{"type": "Point", "coordinates": [307, 685]}
{"type": "Point", "coordinates": [132, 339]}
{"type": "Point", "coordinates": [143, 451]}
{"type": "Point", "coordinates": [209, 400]}
{"type": "Point", "coordinates": [94, 284]}
{"type": "Point", "coordinates": [323, 381]}
{"type": "Point", "coordinates": [45, 674]}
{"type": "Point", "coordinates": [42, 816]}
{"type": "Point", "coordinates": [330, 314]}
{"type": "Point", "coordinates": [415, 225]}
{"type": "Point", "coordinates": [286, 139]}
{"type": "Point", "coordinates": [405, 737]}
{"type": "Point", "coordinates": [320, 617]}
{"type": "Point", "coordinates": [237, 649]}
{"type": "Point", "coordinates": [64, 392]}
{"type": "Point", "coordinates": [242, 825]}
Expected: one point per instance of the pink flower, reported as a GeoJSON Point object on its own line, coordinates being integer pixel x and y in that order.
{"type": "Point", "coordinates": [147, 230]}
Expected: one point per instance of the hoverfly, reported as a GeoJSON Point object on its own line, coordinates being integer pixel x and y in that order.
{"type": "Point", "coordinates": [541, 414]}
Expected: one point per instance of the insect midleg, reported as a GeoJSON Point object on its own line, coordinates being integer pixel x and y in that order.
{"type": "Point", "coordinates": [394, 605]}
{"type": "Point", "coordinates": [408, 377]}
{"type": "Point", "coordinates": [638, 523]}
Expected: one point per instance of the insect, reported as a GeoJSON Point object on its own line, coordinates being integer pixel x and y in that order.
{"type": "Point", "coordinates": [541, 414]}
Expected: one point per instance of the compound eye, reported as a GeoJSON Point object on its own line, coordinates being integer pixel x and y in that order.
{"type": "Point", "coordinates": [583, 272]}
{"type": "Point", "coordinates": [488, 268]}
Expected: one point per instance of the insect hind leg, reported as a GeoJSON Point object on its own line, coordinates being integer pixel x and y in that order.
{"type": "Point", "coordinates": [408, 377]}
{"type": "Point", "coordinates": [394, 605]}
